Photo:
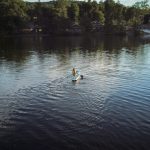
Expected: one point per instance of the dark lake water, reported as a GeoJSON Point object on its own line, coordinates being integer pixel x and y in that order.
{"type": "Point", "coordinates": [42, 109]}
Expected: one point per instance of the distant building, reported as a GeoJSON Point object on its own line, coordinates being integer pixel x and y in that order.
{"type": "Point", "coordinates": [74, 29]}
{"type": "Point", "coordinates": [96, 26]}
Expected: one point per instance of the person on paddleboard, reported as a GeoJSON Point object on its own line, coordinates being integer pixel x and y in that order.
{"type": "Point", "coordinates": [74, 71]}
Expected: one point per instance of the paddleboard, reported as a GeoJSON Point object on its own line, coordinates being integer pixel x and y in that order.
{"type": "Point", "coordinates": [76, 77]}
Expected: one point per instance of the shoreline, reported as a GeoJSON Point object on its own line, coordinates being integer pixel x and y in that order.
{"type": "Point", "coordinates": [130, 33]}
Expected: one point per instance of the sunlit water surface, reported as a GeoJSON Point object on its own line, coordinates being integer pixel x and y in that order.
{"type": "Point", "coordinates": [41, 108]}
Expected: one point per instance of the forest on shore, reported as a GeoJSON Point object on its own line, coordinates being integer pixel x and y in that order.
{"type": "Point", "coordinates": [70, 16]}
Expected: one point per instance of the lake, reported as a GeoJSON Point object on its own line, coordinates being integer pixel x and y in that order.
{"type": "Point", "coordinates": [42, 109]}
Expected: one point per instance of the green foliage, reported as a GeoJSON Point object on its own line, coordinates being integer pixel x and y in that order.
{"type": "Point", "coordinates": [12, 8]}
{"type": "Point", "coordinates": [99, 16]}
{"type": "Point", "coordinates": [109, 12]}
{"type": "Point", "coordinates": [133, 16]}
{"type": "Point", "coordinates": [91, 11]}
{"type": "Point", "coordinates": [61, 8]}
{"type": "Point", "coordinates": [143, 4]}
{"type": "Point", "coordinates": [12, 15]}
{"type": "Point", "coordinates": [59, 15]}
{"type": "Point", "coordinates": [73, 12]}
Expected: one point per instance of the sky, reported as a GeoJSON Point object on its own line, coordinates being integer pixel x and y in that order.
{"type": "Point", "coordinates": [125, 2]}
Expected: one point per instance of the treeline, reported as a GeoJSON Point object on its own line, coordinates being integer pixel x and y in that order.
{"type": "Point", "coordinates": [62, 16]}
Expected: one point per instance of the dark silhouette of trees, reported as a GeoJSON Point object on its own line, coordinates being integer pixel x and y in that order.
{"type": "Point", "coordinates": [59, 15]}
{"type": "Point", "coordinates": [12, 15]}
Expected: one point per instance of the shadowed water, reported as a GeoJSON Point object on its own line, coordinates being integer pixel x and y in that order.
{"type": "Point", "coordinates": [41, 108]}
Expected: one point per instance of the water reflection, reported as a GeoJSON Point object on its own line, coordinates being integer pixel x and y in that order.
{"type": "Point", "coordinates": [27, 59]}
{"type": "Point", "coordinates": [18, 48]}
{"type": "Point", "coordinates": [42, 109]}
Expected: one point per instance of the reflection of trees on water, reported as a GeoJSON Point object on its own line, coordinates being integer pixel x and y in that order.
{"type": "Point", "coordinates": [19, 49]}
{"type": "Point", "coordinates": [14, 50]}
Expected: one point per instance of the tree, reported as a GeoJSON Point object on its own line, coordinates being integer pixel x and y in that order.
{"type": "Point", "coordinates": [12, 15]}
{"type": "Point", "coordinates": [96, 13]}
{"type": "Point", "coordinates": [143, 4]}
{"type": "Point", "coordinates": [99, 16]}
{"type": "Point", "coordinates": [61, 8]}
{"type": "Point", "coordinates": [118, 13]}
{"type": "Point", "coordinates": [73, 12]}
{"type": "Point", "coordinates": [109, 15]}
{"type": "Point", "coordinates": [133, 16]}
